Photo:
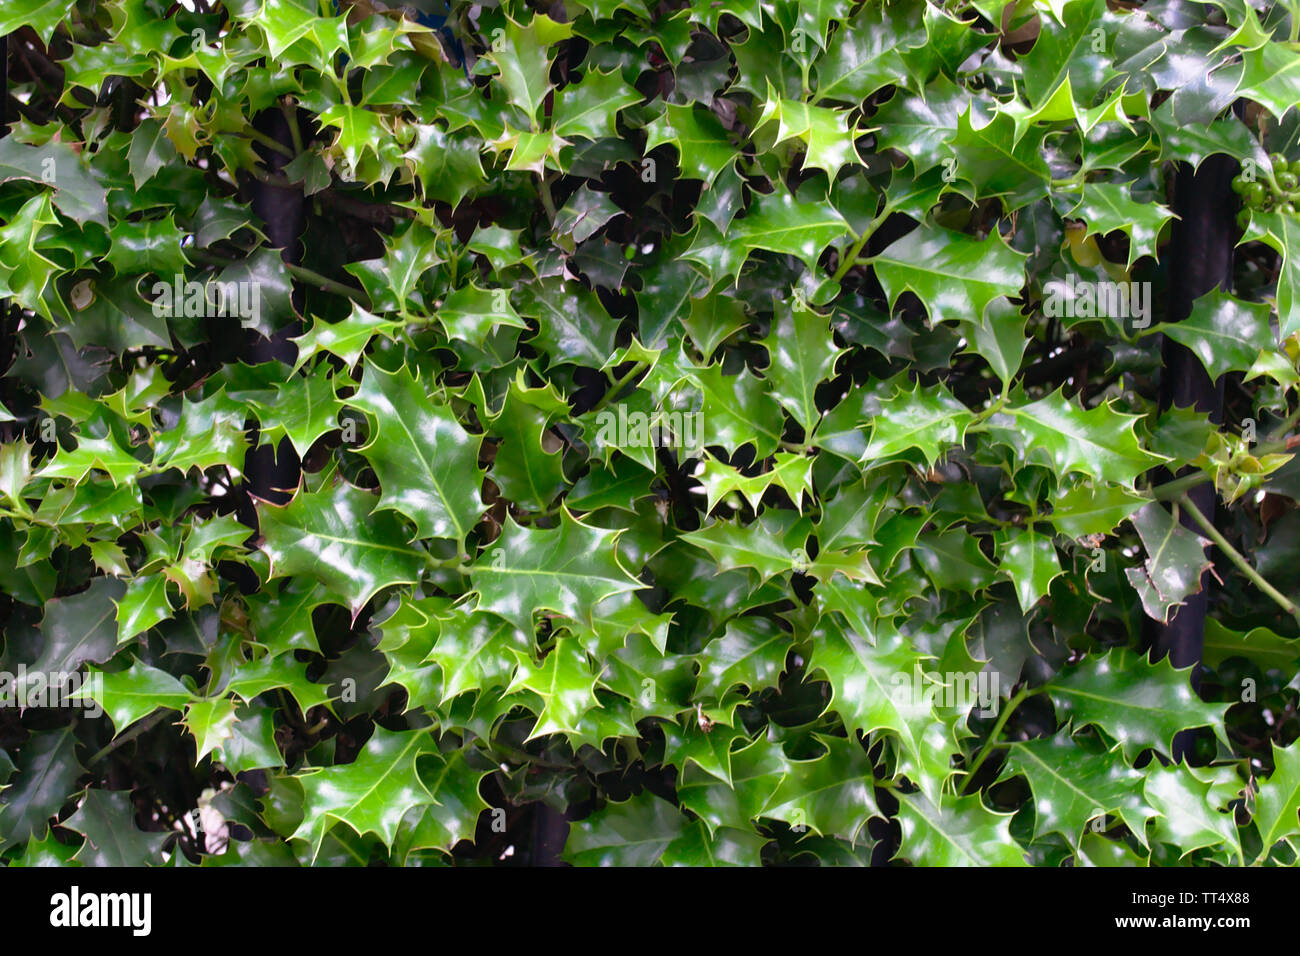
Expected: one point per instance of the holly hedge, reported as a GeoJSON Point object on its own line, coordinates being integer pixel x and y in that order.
{"type": "Point", "coordinates": [773, 431]}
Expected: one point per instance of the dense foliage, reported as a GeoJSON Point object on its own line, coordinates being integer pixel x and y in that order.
{"type": "Point", "coordinates": [733, 426]}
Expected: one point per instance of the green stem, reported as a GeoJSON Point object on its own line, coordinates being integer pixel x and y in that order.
{"type": "Point", "coordinates": [453, 268]}
{"type": "Point", "coordinates": [1070, 185]}
{"type": "Point", "coordinates": [989, 412]}
{"type": "Point", "coordinates": [268, 142]}
{"type": "Point", "coordinates": [991, 743]}
{"type": "Point", "coordinates": [279, 182]}
{"type": "Point", "coordinates": [1236, 557]}
{"type": "Point", "coordinates": [1279, 433]}
{"type": "Point", "coordinates": [618, 386]}
{"type": "Point", "coordinates": [302, 272]}
{"type": "Point", "coordinates": [548, 203]}
{"type": "Point", "coordinates": [523, 756]}
{"type": "Point", "coordinates": [542, 515]}
{"type": "Point", "coordinates": [453, 564]}
{"type": "Point", "coordinates": [851, 257]}
{"type": "Point", "coordinates": [327, 284]}
{"type": "Point", "coordinates": [132, 732]}
{"type": "Point", "coordinates": [1171, 490]}
{"type": "Point", "coordinates": [291, 117]}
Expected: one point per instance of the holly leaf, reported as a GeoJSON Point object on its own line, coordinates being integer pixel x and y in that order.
{"type": "Point", "coordinates": [77, 193]}
{"type": "Point", "coordinates": [276, 671]}
{"type": "Point", "coordinates": [1188, 814]}
{"type": "Point", "coordinates": [106, 818]}
{"type": "Point", "coordinates": [426, 461]}
{"type": "Point", "coordinates": [471, 314]}
{"type": "Point", "coordinates": [209, 433]}
{"type": "Point", "coordinates": [43, 16]}
{"type": "Point", "coordinates": [1282, 234]}
{"type": "Point", "coordinates": [710, 749]}
{"type": "Point", "coordinates": [449, 165]}
{"type": "Point", "coordinates": [926, 418]}
{"type": "Point", "coordinates": [864, 671]}
{"type": "Point", "coordinates": [952, 559]}
{"type": "Point", "coordinates": [371, 794]}
{"type": "Point", "coordinates": [305, 408]}
{"type": "Point", "coordinates": [802, 355]}
{"type": "Point", "coordinates": [1227, 334]}
{"type": "Point", "coordinates": [772, 544]}
{"type": "Point", "coordinates": [149, 152]}
{"type": "Point", "coordinates": [963, 833]}
{"type": "Point", "coordinates": [1068, 47]}
{"type": "Point", "coordinates": [1271, 78]}
{"type": "Point", "coordinates": [636, 832]}
{"type": "Point", "coordinates": [92, 453]}
{"type": "Point", "coordinates": [998, 162]}
{"type": "Point", "coordinates": [565, 683]}
{"type": "Point", "coordinates": [954, 276]}
{"type": "Point", "coordinates": [776, 223]}
{"type": "Point", "coordinates": [1088, 508]}
{"type": "Point", "coordinates": [751, 651]}
{"type": "Point", "coordinates": [1072, 787]}
{"type": "Point", "coordinates": [589, 108]}
{"type": "Point", "coordinates": [1029, 560]}
{"type": "Point", "coordinates": [726, 846]}
{"type": "Point", "coordinates": [756, 772]}
{"type": "Point", "coordinates": [1174, 563]}
{"type": "Point", "coordinates": [524, 469]}
{"type": "Point", "coordinates": [346, 339]}
{"type": "Point", "coordinates": [136, 692]}
{"type": "Point", "coordinates": [212, 722]}
{"type": "Point", "coordinates": [790, 472]}
{"type": "Point", "coordinates": [1259, 644]}
{"type": "Point", "coordinates": [524, 68]}
{"type": "Point", "coordinates": [47, 771]}
{"type": "Point", "coordinates": [998, 337]}
{"type": "Point", "coordinates": [251, 744]}
{"type": "Point", "coordinates": [832, 795]}
{"type": "Point", "coordinates": [703, 147]}
{"type": "Point", "coordinates": [573, 326]}
{"type": "Point", "coordinates": [921, 126]}
{"type": "Point", "coordinates": [78, 629]}
{"type": "Point", "coordinates": [1108, 207]}
{"type": "Point", "coordinates": [738, 410]}
{"type": "Point", "coordinates": [849, 72]}
{"type": "Point", "coordinates": [567, 569]}
{"type": "Point", "coordinates": [144, 605]}
{"type": "Point", "coordinates": [714, 317]}
{"type": "Point", "coordinates": [150, 245]}
{"type": "Point", "coordinates": [1098, 442]}
{"type": "Point", "coordinates": [1278, 801]}
{"type": "Point", "coordinates": [475, 652]}
{"type": "Point", "coordinates": [333, 536]}
{"type": "Point", "coordinates": [1137, 703]}
{"type": "Point", "coordinates": [824, 132]}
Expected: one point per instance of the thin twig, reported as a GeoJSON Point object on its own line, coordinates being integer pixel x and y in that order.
{"type": "Point", "coordinates": [992, 742]}
{"type": "Point", "coordinates": [1236, 557]}
{"type": "Point", "coordinates": [135, 730]}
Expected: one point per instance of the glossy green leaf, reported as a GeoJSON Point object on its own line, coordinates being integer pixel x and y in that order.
{"type": "Point", "coordinates": [426, 462]}
{"type": "Point", "coordinates": [333, 537]}
{"type": "Point", "coordinates": [1137, 703]}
